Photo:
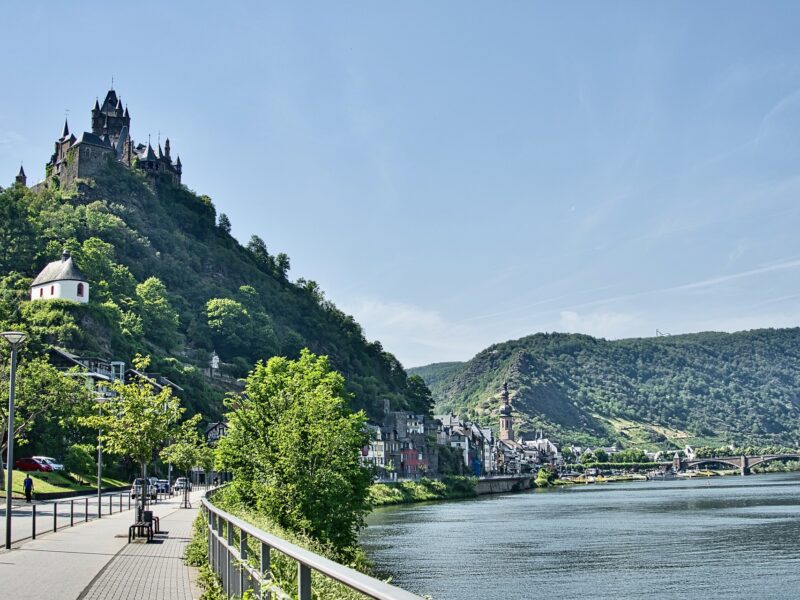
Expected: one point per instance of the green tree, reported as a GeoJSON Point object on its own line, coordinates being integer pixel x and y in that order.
{"type": "Point", "coordinates": [588, 457]}
{"type": "Point", "coordinates": [282, 265]}
{"type": "Point", "coordinates": [43, 393]}
{"type": "Point", "coordinates": [159, 319]}
{"type": "Point", "coordinates": [230, 323]}
{"type": "Point", "coordinates": [294, 447]}
{"type": "Point", "coordinates": [137, 419]}
{"type": "Point", "coordinates": [419, 395]}
{"type": "Point", "coordinates": [224, 223]}
{"type": "Point", "coordinates": [189, 449]}
{"type": "Point", "coordinates": [18, 234]}
{"type": "Point", "coordinates": [600, 455]}
{"type": "Point", "coordinates": [79, 460]}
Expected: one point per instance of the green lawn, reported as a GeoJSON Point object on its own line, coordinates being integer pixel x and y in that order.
{"type": "Point", "coordinates": [56, 482]}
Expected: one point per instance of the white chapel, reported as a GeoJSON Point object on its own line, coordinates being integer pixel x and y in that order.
{"type": "Point", "coordinates": [61, 280]}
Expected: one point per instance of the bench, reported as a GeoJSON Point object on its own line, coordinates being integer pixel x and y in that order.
{"type": "Point", "coordinates": [141, 528]}
{"type": "Point", "coordinates": [145, 526]}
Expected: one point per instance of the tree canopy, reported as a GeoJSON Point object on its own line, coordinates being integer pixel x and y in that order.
{"type": "Point", "coordinates": [293, 447]}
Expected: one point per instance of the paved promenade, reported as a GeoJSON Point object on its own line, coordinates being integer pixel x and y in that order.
{"type": "Point", "coordinates": [94, 560]}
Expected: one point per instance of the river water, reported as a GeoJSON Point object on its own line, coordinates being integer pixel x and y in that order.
{"type": "Point", "coordinates": [723, 537]}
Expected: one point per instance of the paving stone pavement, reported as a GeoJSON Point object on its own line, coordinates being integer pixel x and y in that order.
{"type": "Point", "coordinates": [94, 560]}
{"type": "Point", "coordinates": [154, 571]}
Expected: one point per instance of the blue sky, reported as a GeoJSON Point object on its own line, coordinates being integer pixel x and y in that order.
{"type": "Point", "coordinates": [458, 174]}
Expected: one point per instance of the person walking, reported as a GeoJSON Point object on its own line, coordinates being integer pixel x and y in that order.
{"type": "Point", "coordinates": [27, 485]}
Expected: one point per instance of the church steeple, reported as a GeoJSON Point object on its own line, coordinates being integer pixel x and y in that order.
{"type": "Point", "coordinates": [506, 421]}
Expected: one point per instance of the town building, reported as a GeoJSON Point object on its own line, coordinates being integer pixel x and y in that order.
{"type": "Point", "coordinates": [215, 432]}
{"type": "Point", "coordinates": [61, 280]}
{"type": "Point", "coordinates": [98, 373]}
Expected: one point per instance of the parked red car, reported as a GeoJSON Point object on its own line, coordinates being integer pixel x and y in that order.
{"type": "Point", "coordinates": [31, 464]}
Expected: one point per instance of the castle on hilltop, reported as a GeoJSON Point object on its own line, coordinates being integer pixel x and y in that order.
{"type": "Point", "coordinates": [110, 139]}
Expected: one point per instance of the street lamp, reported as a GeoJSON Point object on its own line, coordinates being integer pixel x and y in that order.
{"type": "Point", "coordinates": [14, 339]}
{"type": "Point", "coordinates": [99, 399]}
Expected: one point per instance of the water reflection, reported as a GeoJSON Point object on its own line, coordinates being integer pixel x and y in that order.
{"type": "Point", "coordinates": [715, 538]}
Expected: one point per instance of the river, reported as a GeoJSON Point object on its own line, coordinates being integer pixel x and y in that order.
{"type": "Point", "coordinates": [722, 537]}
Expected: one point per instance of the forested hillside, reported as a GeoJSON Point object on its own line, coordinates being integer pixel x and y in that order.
{"type": "Point", "coordinates": [698, 388]}
{"type": "Point", "coordinates": [168, 280]}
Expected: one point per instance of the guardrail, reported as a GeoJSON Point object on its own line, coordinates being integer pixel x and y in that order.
{"type": "Point", "coordinates": [246, 566]}
{"type": "Point", "coordinates": [79, 511]}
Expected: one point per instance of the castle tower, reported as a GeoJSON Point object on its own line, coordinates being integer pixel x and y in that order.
{"type": "Point", "coordinates": [21, 179]}
{"type": "Point", "coordinates": [110, 118]}
{"type": "Point", "coordinates": [506, 431]}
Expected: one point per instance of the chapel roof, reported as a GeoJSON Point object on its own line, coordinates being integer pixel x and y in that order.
{"type": "Point", "coordinates": [59, 270]}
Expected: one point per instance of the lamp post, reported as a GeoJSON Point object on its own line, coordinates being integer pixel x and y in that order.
{"type": "Point", "coordinates": [99, 461]}
{"type": "Point", "coordinates": [14, 339]}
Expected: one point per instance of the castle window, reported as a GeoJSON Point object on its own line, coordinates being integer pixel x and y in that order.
{"type": "Point", "coordinates": [52, 290]}
{"type": "Point", "coordinates": [80, 290]}
{"type": "Point", "coordinates": [41, 292]}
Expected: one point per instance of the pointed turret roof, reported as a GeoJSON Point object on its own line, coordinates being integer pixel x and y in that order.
{"type": "Point", "coordinates": [65, 133]}
{"type": "Point", "coordinates": [149, 155]}
{"type": "Point", "coordinates": [21, 172]}
{"type": "Point", "coordinates": [127, 114]}
{"type": "Point", "coordinates": [110, 102]}
{"type": "Point", "coordinates": [160, 153]}
{"type": "Point", "coordinates": [96, 104]}
{"type": "Point", "coordinates": [178, 162]}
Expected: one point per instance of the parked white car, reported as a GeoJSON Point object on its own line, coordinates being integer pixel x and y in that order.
{"type": "Point", "coordinates": [181, 483]}
{"type": "Point", "coordinates": [56, 466]}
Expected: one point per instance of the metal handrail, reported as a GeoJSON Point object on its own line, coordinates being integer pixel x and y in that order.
{"type": "Point", "coordinates": [235, 559]}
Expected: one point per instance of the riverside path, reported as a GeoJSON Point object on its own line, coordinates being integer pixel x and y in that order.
{"type": "Point", "coordinates": [94, 560]}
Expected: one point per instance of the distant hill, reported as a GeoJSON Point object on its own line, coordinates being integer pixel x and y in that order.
{"type": "Point", "coordinates": [698, 388]}
{"type": "Point", "coordinates": [167, 279]}
{"type": "Point", "coordinates": [436, 373]}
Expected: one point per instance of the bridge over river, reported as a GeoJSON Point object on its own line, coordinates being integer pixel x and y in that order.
{"type": "Point", "coordinates": [743, 463]}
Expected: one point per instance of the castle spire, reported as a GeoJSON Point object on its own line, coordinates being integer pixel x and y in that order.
{"type": "Point", "coordinates": [166, 148]}
{"type": "Point", "coordinates": [127, 114]}
{"type": "Point", "coordinates": [21, 179]}
{"type": "Point", "coordinates": [65, 133]}
{"type": "Point", "coordinates": [96, 104]}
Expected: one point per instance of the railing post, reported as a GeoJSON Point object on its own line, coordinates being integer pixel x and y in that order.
{"type": "Point", "coordinates": [86, 510]}
{"type": "Point", "coordinates": [220, 571]}
{"type": "Point", "coordinates": [33, 523]}
{"type": "Point", "coordinates": [110, 505]}
{"type": "Point", "coordinates": [55, 517]}
{"type": "Point", "coordinates": [129, 500]}
{"type": "Point", "coordinates": [72, 513]}
{"type": "Point", "coordinates": [265, 569]}
{"type": "Point", "coordinates": [120, 503]}
{"type": "Point", "coordinates": [228, 556]}
{"type": "Point", "coordinates": [243, 558]}
{"type": "Point", "coordinates": [303, 582]}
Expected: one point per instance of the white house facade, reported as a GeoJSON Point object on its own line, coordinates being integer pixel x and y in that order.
{"type": "Point", "coordinates": [61, 280]}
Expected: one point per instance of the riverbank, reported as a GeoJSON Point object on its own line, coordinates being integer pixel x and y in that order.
{"type": "Point", "coordinates": [423, 490]}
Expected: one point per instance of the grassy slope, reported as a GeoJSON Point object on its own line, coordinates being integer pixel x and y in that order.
{"type": "Point", "coordinates": [46, 483]}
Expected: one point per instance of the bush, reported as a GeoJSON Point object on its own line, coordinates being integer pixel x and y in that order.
{"type": "Point", "coordinates": [79, 460]}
